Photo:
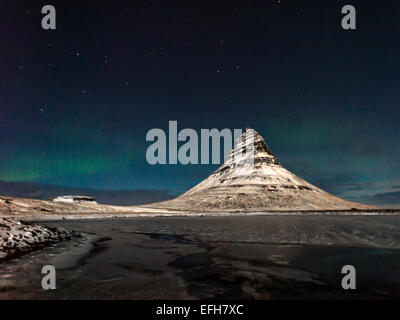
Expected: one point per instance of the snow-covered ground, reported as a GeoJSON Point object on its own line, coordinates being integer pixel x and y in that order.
{"type": "Point", "coordinates": [18, 237]}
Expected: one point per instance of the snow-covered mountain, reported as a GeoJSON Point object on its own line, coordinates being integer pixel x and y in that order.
{"type": "Point", "coordinates": [255, 181]}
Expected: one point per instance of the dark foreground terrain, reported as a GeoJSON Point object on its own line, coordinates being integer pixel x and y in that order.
{"type": "Point", "coordinates": [254, 257]}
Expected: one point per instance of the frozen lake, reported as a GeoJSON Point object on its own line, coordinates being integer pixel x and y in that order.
{"type": "Point", "coordinates": [237, 257]}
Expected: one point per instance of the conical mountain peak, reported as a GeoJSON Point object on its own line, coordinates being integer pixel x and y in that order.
{"type": "Point", "coordinates": [250, 148]}
{"type": "Point", "coordinates": [252, 179]}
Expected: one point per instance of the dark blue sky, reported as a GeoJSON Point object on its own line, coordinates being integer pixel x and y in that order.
{"type": "Point", "coordinates": [76, 102]}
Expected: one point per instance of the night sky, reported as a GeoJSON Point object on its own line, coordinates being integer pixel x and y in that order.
{"type": "Point", "coordinates": [76, 102]}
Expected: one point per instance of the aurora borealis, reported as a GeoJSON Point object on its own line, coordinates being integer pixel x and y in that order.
{"type": "Point", "coordinates": [76, 102]}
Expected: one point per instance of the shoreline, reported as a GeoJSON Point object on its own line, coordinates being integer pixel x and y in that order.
{"type": "Point", "coordinates": [94, 216]}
